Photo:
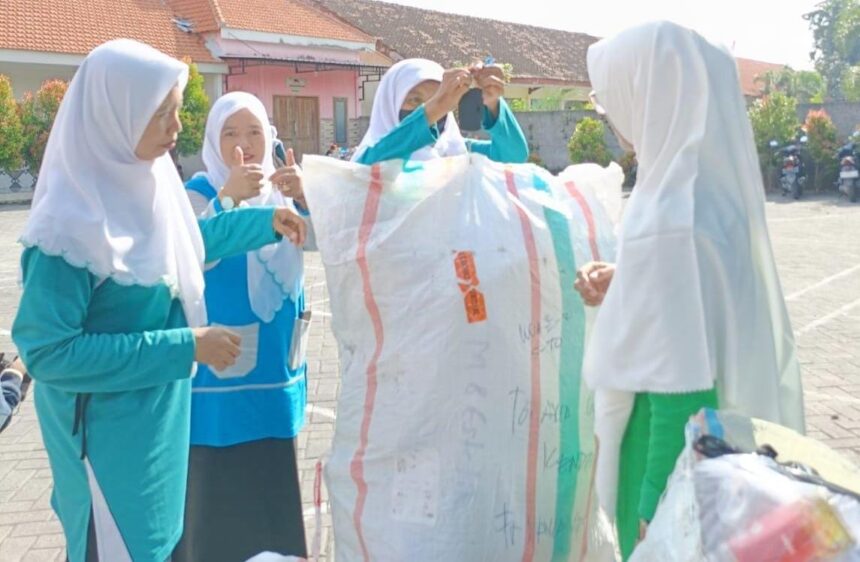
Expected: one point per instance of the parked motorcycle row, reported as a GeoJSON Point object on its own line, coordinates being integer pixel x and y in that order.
{"type": "Point", "coordinates": [792, 169]}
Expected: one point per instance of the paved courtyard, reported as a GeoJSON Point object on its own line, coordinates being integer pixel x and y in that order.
{"type": "Point", "coordinates": [818, 252]}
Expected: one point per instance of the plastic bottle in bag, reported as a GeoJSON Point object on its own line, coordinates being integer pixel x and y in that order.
{"type": "Point", "coordinates": [801, 531]}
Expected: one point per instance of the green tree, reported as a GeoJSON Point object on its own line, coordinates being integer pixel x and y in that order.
{"type": "Point", "coordinates": [835, 26]}
{"type": "Point", "coordinates": [851, 84]}
{"type": "Point", "coordinates": [518, 105]}
{"type": "Point", "coordinates": [823, 143]}
{"type": "Point", "coordinates": [588, 143]}
{"type": "Point", "coordinates": [783, 80]}
{"type": "Point", "coordinates": [38, 112]}
{"type": "Point", "coordinates": [806, 86]}
{"type": "Point", "coordinates": [769, 82]}
{"type": "Point", "coordinates": [552, 102]}
{"type": "Point", "coordinates": [11, 132]}
{"type": "Point", "coordinates": [848, 32]}
{"type": "Point", "coordinates": [773, 118]}
{"type": "Point", "coordinates": [195, 108]}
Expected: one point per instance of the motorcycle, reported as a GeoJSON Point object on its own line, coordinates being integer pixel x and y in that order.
{"type": "Point", "coordinates": [14, 384]}
{"type": "Point", "coordinates": [792, 174]}
{"type": "Point", "coordinates": [849, 175]}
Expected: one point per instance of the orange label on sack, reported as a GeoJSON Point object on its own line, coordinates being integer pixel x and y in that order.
{"type": "Point", "coordinates": [467, 275]}
{"type": "Point", "coordinates": [476, 310]}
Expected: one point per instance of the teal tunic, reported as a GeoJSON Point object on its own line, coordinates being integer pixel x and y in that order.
{"type": "Point", "coordinates": [269, 400]}
{"type": "Point", "coordinates": [127, 351]}
{"type": "Point", "coordinates": [507, 142]}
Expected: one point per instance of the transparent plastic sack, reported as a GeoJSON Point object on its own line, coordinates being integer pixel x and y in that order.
{"type": "Point", "coordinates": [742, 505]}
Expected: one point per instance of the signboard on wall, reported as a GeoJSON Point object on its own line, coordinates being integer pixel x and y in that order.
{"type": "Point", "coordinates": [295, 84]}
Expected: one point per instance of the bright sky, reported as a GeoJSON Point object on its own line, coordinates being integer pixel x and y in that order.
{"type": "Point", "coordinates": [768, 30]}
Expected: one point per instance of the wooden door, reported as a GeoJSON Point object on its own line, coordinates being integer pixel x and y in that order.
{"type": "Point", "coordinates": [298, 122]}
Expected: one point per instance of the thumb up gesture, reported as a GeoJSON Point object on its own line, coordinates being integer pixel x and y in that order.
{"type": "Point", "coordinates": [289, 180]}
{"type": "Point", "coordinates": [245, 180]}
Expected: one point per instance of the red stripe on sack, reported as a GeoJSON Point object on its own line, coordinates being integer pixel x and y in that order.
{"type": "Point", "coordinates": [589, 218]}
{"type": "Point", "coordinates": [534, 415]}
{"type": "Point", "coordinates": [356, 466]}
{"type": "Point", "coordinates": [317, 540]}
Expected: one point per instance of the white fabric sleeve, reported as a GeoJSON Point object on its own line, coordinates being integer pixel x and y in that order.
{"type": "Point", "coordinates": [202, 206]}
{"type": "Point", "coordinates": [311, 238]}
{"type": "Point", "coordinates": [203, 209]}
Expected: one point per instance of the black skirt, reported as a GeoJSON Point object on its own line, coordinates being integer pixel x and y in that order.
{"type": "Point", "coordinates": [241, 501]}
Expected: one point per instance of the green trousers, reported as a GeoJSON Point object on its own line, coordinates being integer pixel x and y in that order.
{"type": "Point", "coordinates": [653, 440]}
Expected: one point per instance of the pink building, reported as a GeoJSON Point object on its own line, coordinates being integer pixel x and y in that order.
{"type": "Point", "coordinates": [308, 67]}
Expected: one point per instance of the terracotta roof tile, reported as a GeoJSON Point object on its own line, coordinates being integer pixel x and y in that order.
{"type": "Point", "coordinates": [78, 26]}
{"type": "Point", "coordinates": [447, 38]}
{"type": "Point", "coordinates": [750, 70]}
{"type": "Point", "coordinates": [288, 17]}
{"type": "Point", "coordinates": [203, 14]}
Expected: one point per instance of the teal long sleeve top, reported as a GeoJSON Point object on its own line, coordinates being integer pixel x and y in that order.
{"type": "Point", "coordinates": [507, 142]}
{"type": "Point", "coordinates": [112, 365]}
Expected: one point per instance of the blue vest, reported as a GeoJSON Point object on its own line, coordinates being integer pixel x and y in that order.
{"type": "Point", "coordinates": [259, 397]}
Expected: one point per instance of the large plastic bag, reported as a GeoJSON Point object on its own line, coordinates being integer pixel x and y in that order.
{"type": "Point", "coordinates": [749, 507]}
{"type": "Point", "coordinates": [464, 430]}
{"type": "Point", "coordinates": [274, 557]}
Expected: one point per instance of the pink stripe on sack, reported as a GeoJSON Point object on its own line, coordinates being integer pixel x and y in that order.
{"type": "Point", "coordinates": [534, 414]}
{"type": "Point", "coordinates": [589, 218]}
{"type": "Point", "coordinates": [316, 544]}
{"type": "Point", "coordinates": [356, 466]}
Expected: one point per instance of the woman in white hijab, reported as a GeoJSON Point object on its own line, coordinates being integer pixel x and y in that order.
{"type": "Point", "coordinates": [692, 313]}
{"type": "Point", "coordinates": [412, 116]}
{"type": "Point", "coordinates": [111, 317]}
{"type": "Point", "coordinates": [244, 419]}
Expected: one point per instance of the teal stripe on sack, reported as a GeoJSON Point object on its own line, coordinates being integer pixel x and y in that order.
{"type": "Point", "coordinates": [569, 379]}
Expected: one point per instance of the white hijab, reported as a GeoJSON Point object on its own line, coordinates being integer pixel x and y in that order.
{"type": "Point", "coordinates": [99, 206]}
{"type": "Point", "coordinates": [276, 271]}
{"type": "Point", "coordinates": [385, 116]}
{"type": "Point", "coordinates": [696, 298]}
